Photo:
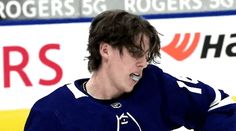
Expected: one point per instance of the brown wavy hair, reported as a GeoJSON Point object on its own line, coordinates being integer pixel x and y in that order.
{"type": "Point", "coordinates": [121, 29]}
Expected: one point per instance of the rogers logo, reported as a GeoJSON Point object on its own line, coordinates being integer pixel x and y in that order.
{"type": "Point", "coordinates": [19, 68]}
{"type": "Point", "coordinates": [210, 42]}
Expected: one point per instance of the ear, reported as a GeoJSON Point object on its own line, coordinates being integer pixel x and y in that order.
{"type": "Point", "coordinates": [104, 50]}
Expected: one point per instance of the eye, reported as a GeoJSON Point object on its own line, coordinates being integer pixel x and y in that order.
{"type": "Point", "coordinates": [136, 52]}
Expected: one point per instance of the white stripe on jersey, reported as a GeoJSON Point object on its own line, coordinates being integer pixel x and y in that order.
{"type": "Point", "coordinates": [217, 97]}
{"type": "Point", "coordinates": [77, 93]}
{"type": "Point", "coordinates": [224, 102]}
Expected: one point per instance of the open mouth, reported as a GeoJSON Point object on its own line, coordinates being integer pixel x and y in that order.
{"type": "Point", "coordinates": [135, 77]}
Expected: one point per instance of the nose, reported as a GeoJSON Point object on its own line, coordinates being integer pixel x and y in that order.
{"type": "Point", "coordinates": [142, 62]}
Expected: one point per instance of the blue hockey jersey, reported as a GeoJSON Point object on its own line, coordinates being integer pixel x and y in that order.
{"type": "Point", "coordinates": [159, 102]}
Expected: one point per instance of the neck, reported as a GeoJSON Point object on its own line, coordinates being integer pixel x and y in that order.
{"type": "Point", "coordinates": [99, 86]}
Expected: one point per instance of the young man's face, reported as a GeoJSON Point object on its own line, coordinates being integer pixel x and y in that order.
{"type": "Point", "coordinates": [124, 69]}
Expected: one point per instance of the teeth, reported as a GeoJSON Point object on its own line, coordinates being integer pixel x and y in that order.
{"type": "Point", "coordinates": [135, 77]}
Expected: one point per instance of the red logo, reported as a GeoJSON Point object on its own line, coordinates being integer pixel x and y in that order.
{"type": "Point", "coordinates": [180, 52]}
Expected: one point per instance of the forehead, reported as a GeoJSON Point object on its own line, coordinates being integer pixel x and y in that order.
{"type": "Point", "coordinates": [143, 41]}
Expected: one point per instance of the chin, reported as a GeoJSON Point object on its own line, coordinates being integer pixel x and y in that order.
{"type": "Point", "coordinates": [129, 89]}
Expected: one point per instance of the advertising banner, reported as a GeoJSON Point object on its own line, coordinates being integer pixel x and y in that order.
{"type": "Point", "coordinates": [54, 9]}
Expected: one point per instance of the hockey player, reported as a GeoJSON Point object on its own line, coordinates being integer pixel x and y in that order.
{"type": "Point", "coordinates": [126, 92]}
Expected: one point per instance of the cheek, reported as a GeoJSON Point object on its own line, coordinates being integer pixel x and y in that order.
{"type": "Point", "coordinates": [121, 70]}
